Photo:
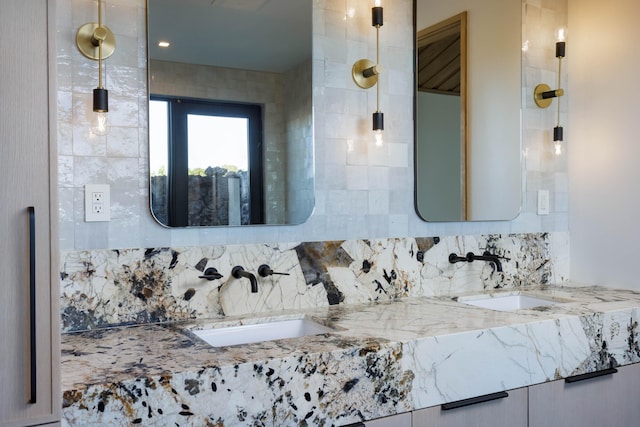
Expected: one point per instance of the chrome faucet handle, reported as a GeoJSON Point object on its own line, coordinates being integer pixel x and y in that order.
{"type": "Point", "coordinates": [211, 274]}
{"type": "Point", "coordinates": [264, 271]}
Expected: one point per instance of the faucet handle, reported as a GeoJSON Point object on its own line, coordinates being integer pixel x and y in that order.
{"type": "Point", "coordinates": [453, 258]}
{"type": "Point", "coordinates": [211, 274]}
{"type": "Point", "coordinates": [264, 271]}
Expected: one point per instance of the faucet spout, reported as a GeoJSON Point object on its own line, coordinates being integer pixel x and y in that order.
{"type": "Point", "coordinates": [239, 272]}
{"type": "Point", "coordinates": [486, 256]}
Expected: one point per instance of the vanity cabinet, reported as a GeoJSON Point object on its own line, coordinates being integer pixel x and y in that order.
{"type": "Point", "coordinates": [29, 326]}
{"type": "Point", "coordinates": [508, 409]}
{"type": "Point", "coordinates": [400, 420]}
{"type": "Point", "coordinates": [609, 400]}
{"type": "Point", "coordinates": [606, 398]}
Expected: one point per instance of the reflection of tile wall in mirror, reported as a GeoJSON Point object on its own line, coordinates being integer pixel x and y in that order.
{"type": "Point", "coordinates": [277, 81]}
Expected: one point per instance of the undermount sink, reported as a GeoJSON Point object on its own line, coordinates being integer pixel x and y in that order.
{"type": "Point", "coordinates": [508, 302]}
{"type": "Point", "coordinates": [258, 332]}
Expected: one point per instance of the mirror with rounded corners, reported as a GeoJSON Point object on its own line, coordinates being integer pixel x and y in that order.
{"type": "Point", "coordinates": [230, 112]}
{"type": "Point", "coordinates": [467, 110]}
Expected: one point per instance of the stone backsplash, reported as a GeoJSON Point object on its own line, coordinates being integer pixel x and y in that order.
{"type": "Point", "coordinates": [103, 288]}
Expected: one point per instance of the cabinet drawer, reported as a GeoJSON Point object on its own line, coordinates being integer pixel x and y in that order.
{"type": "Point", "coordinates": [609, 400]}
{"type": "Point", "coordinates": [510, 411]}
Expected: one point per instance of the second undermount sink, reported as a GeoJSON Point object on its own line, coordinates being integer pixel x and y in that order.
{"type": "Point", "coordinates": [509, 302]}
{"type": "Point", "coordinates": [258, 332]}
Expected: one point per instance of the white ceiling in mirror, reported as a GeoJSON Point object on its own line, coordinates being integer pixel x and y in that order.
{"type": "Point", "coordinates": [242, 22]}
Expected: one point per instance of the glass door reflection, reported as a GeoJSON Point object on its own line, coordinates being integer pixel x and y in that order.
{"type": "Point", "coordinates": [206, 163]}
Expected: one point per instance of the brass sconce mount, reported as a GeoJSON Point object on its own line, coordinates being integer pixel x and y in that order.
{"type": "Point", "coordinates": [543, 95]}
{"type": "Point", "coordinates": [365, 73]}
{"type": "Point", "coordinates": [88, 40]}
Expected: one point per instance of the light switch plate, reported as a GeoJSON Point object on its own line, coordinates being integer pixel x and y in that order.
{"type": "Point", "coordinates": [543, 202]}
{"type": "Point", "coordinates": [97, 202]}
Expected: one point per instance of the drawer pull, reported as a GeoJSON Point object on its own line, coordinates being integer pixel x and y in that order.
{"type": "Point", "coordinates": [32, 302]}
{"type": "Point", "coordinates": [474, 400]}
{"type": "Point", "coordinates": [590, 375]}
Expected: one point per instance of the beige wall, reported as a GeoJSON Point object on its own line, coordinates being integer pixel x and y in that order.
{"type": "Point", "coordinates": [603, 136]}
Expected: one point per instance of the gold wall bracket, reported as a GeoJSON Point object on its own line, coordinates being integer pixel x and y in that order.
{"type": "Point", "coordinates": [365, 73]}
{"type": "Point", "coordinates": [543, 95]}
{"type": "Point", "coordinates": [88, 37]}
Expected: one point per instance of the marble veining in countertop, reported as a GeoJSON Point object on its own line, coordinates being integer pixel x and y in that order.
{"type": "Point", "coordinates": [385, 358]}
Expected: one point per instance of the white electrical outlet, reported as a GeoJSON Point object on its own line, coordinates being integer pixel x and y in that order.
{"type": "Point", "coordinates": [543, 202]}
{"type": "Point", "coordinates": [96, 202]}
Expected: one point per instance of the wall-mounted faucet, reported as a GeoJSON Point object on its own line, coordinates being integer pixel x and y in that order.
{"type": "Point", "coordinates": [239, 272]}
{"type": "Point", "coordinates": [486, 256]}
{"type": "Point", "coordinates": [211, 274]}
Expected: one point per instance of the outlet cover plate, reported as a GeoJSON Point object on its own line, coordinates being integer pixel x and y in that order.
{"type": "Point", "coordinates": [97, 202]}
{"type": "Point", "coordinates": [543, 202]}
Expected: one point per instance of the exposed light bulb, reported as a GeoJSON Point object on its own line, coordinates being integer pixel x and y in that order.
{"type": "Point", "coordinates": [163, 43]}
{"type": "Point", "coordinates": [378, 3]}
{"type": "Point", "coordinates": [351, 12]}
{"type": "Point", "coordinates": [557, 148]}
{"type": "Point", "coordinates": [558, 137]}
{"type": "Point", "coordinates": [561, 34]}
{"type": "Point", "coordinates": [378, 136]}
{"type": "Point", "coordinates": [378, 127]}
{"type": "Point", "coordinates": [100, 124]}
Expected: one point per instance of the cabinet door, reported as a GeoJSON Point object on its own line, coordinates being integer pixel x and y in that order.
{"type": "Point", "coordinates": [400, 420]}
{"type": "Point", "coordinates": [510, 411]}
{"type": "Point", "coordinates": [609, 400]}
{"type": "Point", "coordinates": [28, 325]}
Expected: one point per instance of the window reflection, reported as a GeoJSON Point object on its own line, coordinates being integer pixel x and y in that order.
{"type": "Point", "coordinates": [206, 162]}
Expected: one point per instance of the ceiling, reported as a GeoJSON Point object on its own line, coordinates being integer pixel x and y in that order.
{"type": "Point", "coordinates": [267, 35]}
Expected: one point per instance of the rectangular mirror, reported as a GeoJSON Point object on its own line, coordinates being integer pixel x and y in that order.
{"type": "Point", "coordinates": [467, 110]}
{"type": "Point", "coordinates": [230, 112]}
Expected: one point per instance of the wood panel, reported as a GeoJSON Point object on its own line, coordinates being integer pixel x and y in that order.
{"type": "Point", "coordinates": [610, 401]}
{"type": "Point", "coordinates": [400, 420]}
{"type": "Point", "coordinates": [25, 153]}
{"type": "Point", "coordinates": [441, 56]}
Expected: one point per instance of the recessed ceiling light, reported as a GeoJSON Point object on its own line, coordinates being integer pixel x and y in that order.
{"type": "Point", "coordinates": [163, 44]}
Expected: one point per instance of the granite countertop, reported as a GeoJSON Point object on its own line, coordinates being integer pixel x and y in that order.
{"type": "Point", "coordinates": [383, 358]}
